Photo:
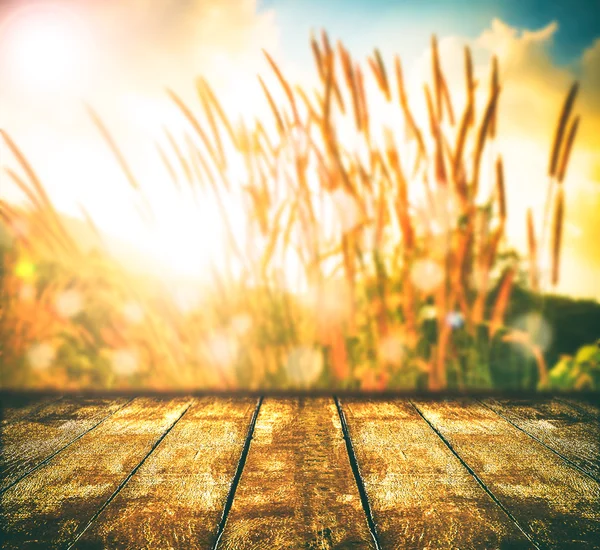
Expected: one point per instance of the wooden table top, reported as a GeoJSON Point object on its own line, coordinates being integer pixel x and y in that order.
{"type": "Point", "coordinates": [299, 472]}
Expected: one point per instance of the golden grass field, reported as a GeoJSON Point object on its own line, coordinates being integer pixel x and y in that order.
{"type": "Point", "coordinates": [407, 288]}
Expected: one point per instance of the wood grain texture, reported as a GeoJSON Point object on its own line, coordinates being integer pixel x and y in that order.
{"type": "Point", "coordinates": [157, 474]}
{"type": "Point", "coordinates": [421, 496]}
{"type": "Point", "coordinates": [586, 406]}
{"type": "Point", "coordinates": [176, 498]}
{"type": "Point", "coordinates": [297, 489]}
{"type": "Point", "coordinates": [558, 506]}
{"type": "Point", "coordinates": [17, 407]}
{"type": "Point", "coordinates": [560, 426]}
{"type": "Point", "coordinates": [49, 507]}
{"type": "Point", "coordinates": [34, 438]}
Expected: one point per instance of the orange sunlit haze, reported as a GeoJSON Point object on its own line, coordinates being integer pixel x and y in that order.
{"type": "Point", "coordinates": [249, 194]}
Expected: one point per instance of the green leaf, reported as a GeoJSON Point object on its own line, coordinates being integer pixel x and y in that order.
{"type": "Point", "coordinates": [587, 353]}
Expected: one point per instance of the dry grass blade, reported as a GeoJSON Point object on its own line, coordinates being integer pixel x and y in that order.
{"type": "Point", "coordinates": [378, 67]}
{"type": "Point", "coordinates": [34, 244]}
{"type": "Point", "coordinates": [24, 188]}
{"type": "Point", "coordinates": [447, 99]}
{"type": "Point", "coordinates": [377, 74]}
{"type": "Point", "coordinates": [113, 147]}
{"type": "Point", "coordinates": [168, 166]}
{"type": "Point", "coordinates": [274, 110]}
{"type": "Point", "coordinates": [261, 134]}
{"type": "Point", "coordinates": [414, 129]}
{"type": "Point", "coordinates": [198, 161]}
{"type": "Point", "coordinates": [39, 189]}
{"type": "Point", "coordinates": [560, 129]}
{"type": "Point", "coordinates": [440, 164]}
{"type": "Point", "coordinates": [541, 365]}
{"type": "Point", "coordinates": [309, 107]}
{"type": "Point", "coordinates": [7, 213]}
{"type": "Point", "coordinates": [330, 141]}
{"type": "Point", "coordinates": [433, 120]}
{"type": "Point", "coordinates": [500, 189]}
{"type": "Point", "coordinates": [442, 93]}
{"type": "Point", "coordinates": [364, 110]}
{"type": "Point", "coordinates": [485, 270]}
{"type": "Point", "coordinates": [470, 85]}
{"type": "Point", "coordinates": [326, 120]}
{"type": "Point", "coordinates": [182, 160]}
{"type": "Point", "coordinates": [438, 379]}
{"type": "Point", "coordinates": [481, 137]}
{"type": "Point", "coordinates": [381, 216]}
{"type": "Point", "coordinates": [494, 87]}
{"type": "Point", "coordinates": [437, 80]}
{"type": "Point", "coordinates": [383, 72]}
{"type": "Point", "coordinates": [46, 205]}
{"type": "Point", "coordinates": [497, 318]}
{"type": "Point", "coordinates": [401, 203]}
{"type": "Point", "coordinates": [273, 239]}
{"type": "Point", "coordinates": [318, 57]}
{"type": "Point", "coordinates": [555, 154]}
{"type": "Point", "coordinates": [320, 61]}
{"type": "Point", "coordinates": [434, 123]}
{"type": "Point", "coordinates": [564, 160]}
{"type": "Point", "coordinates": [533, 253]}
{"type": "Point", "coordinates": [221, 159]}
{"type": "Point", "coordinates": [351, 84]}
{"type": "Point", "coordinates": [219, 109]}
{"type": "Point", "coordinates": [194, 122]}
{"type": "Point", "coordinates": [285, 85]}
{"type": "Point", "coordinates": [461, 139]}
{"type": "Point", "coordinates": [557, 234]}
{"type": "Point", "coordinates": [326, 44]}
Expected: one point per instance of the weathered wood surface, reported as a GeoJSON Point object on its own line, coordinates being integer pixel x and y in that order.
{"type": "Point", "coordinates": [36, 436]}
{"type": "Point", "coordinates": [176, 498]}
{"type": "Point", "coordinates": [297, 489]}
{"type": "Point", "coordinates": [221, 472]}
{"type": "Point", "coordinates": [50, 507]}
{"type": "Point", "coordinates": [554, 503]}
{"type": "Point", "coordinates": [585, 406]}
{"type": "Point", "coordinates": [558, 425]}
{"type": "Point", "coordinates": [420, 493]}
{"type": "Point", "coordinates": [14, 407]}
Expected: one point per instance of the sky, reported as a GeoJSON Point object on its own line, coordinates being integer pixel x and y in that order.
{"type": "Point", "coordinates": [365, 23]}
{"type": "Point", "coordinates": [119, 56]}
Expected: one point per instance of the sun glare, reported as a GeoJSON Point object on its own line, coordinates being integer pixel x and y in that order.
{"type": "Point", "coordinates": [44, 49]}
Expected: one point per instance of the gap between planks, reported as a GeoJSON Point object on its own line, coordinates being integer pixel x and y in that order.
{"type": "Point", "coordinates": [124, 482]}
{"type": "Point", "coordinates": [237, 475]}
{"type": "Point", "coordinates": [66, 446]}
{"type": "Point", "coordinates": [364, 498]}
{"type": "Point", "coordinates": [564, 458]}
{"type": "Point", "coordinates": [477, 478]}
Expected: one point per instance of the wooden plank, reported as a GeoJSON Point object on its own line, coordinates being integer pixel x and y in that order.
{"type": "Point", "coordinates": [176, 498]}
{"type": "Point", "coordinates": [297, 489]}
{"type": "Point", "coordinates": [561, 427]}
{"type": "Point", "coordinates": [556, 505]}
{"type": "Point", "coordinates": [49, 507]}
{"type": "Point", "coordinates": [421, 495]}
{"type": "Point", "coordinates": [17, 407]}
{"type": "Point", "coordinates": [28, 442]}
{"type": "Point", "coordinates": [583, 405]}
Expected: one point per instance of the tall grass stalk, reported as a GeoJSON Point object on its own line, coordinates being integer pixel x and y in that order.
{"type": "Point", "coordinates": [415, 236]}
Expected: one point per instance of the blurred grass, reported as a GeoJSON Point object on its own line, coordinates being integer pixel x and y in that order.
{"type": "Point", "coordinates": [411, 289]}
